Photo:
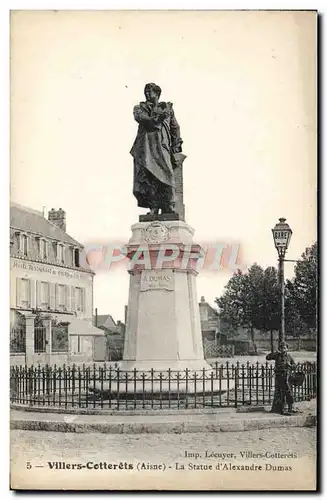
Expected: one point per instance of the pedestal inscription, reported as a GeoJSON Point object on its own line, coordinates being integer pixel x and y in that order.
{"type": "Point", "coordinates": [157, 280]}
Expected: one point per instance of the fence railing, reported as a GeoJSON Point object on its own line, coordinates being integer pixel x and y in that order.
{"type": "Point", "coordinates": [227, 385]}
{"type": "Point", "coordinates": [214, 351]}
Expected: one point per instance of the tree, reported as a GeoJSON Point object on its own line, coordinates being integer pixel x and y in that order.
{"type": "Point", "coordinates": [271, 303]}
{"type": "Point", "coordinates": [231, 302]}
{"type": "Point", "coordinates": [251, 300]}
{"type": "Point", "coordinates": [303, 288]}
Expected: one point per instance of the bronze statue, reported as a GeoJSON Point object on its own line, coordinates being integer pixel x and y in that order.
{"type": "Point", "coordinates": [156, 152]}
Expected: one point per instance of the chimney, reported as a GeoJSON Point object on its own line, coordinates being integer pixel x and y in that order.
{"type": "Point", "coordinates": [203, 299]}
{"type": "Point", "coordinates": [58, 217]}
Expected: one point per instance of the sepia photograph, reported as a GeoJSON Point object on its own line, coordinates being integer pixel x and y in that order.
{"type": "Point", "coordinates": [163, 250]}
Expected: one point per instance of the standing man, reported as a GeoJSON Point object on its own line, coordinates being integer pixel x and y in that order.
{"type": "Point", "coordinates": [155, 152]}
{"type": "Point", "coordinates": [284, 363]}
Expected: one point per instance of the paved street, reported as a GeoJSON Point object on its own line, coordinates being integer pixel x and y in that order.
{"type": "Point", "coordinates": [298, 468]}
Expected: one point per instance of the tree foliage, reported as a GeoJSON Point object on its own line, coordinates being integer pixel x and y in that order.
{"type": "Point", "coordinates": [303, 288]}
{"type": "Point", "coordinates": [252, 300]}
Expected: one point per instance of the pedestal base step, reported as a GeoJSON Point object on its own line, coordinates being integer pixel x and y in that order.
{"type": "Point", "coordinates": [160, 389]}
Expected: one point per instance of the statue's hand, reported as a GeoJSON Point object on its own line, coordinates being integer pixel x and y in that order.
{"type": "Point", "coordinates": [164, 109]}
{"type": "Point", "coordinates": [160, 115]}
{"type": "Point", "coordinates": [177, 149]}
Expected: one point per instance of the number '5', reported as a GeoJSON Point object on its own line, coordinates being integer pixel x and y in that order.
{"type": "Point", "coordinates": [28, 465]}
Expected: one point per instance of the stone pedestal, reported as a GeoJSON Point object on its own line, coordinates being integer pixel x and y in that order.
{"type": "Point", "coordinates": [163, 321]}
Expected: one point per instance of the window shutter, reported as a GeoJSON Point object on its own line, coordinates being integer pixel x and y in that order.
{"type": "Point", "coordinates": [52, 295]}
{"type": "Point", "coordinates": [38, 294]}
{"type": "Point", "coordinates": [83, 299]}
{"type": "Point", "coordinates": [68, 298]}
{"type": "Point", "coordinates": [32, 294]}
{"type": "Point", "coordinates": [48, 295]}
{"type": "Point", "coordinates": [18, 292]}
{"type": "Point", "coordinates": [19, 241]}
{"type": "Point", "coordinates": [72, 298]}
{"type": "Point", "coordinates": [56, 296]}
{"type": "Point", "coordinates": [29, 284]}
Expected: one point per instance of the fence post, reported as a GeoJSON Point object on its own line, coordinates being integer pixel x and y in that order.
{"type": "Point", "coordinates": [29, 328]}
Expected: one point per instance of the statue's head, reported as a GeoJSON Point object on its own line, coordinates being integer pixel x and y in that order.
{"type": "Point", "coordinates": [152, 92]}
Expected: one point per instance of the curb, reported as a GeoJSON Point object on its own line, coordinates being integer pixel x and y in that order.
{"type": "Point", "coordinates": [159, 427]}
{"type": "Point", "coordinates": [139, 412]}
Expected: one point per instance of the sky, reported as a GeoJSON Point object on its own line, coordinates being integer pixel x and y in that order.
{"type": "Point", "coordinates": [243, 86]}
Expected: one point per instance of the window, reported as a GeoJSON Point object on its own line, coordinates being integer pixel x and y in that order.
{"type": "Point", "coordinates": [25, 292]}
{"type": "Point", "coordinates": [24, 245]}
{"type": "Point", "coordinates": [18, 340]}
{"type": "Point", "coordinates": [60, 337]}
{"type": "Point", "coordinates": [61, 254]}
{"type": "Point", "coordinates": [76, 257]}
{"type": "Point", "coordinates": [39, 339]}
{"type": "Point", "coordinates": [54, 249]}
{"type": "Point", "coordinates": [17, 242]}
{"type": "Point", "coordinates": [44, 295]}
{"type": "Point", "coordinates": [79, 298]}
{"type": "Point", "coordinates": [62, 296]}
{"type": "Point", "coordinates": [75, 344]}
{"type": "Point", "coordinates": [43, 249]}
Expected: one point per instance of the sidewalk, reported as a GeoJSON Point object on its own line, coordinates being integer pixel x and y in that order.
{"type": "Point", "coordinates": [173, 421]}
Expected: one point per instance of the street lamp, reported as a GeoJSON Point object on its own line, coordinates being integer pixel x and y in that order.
{"type": "Point", "coordinates": [282, 236]}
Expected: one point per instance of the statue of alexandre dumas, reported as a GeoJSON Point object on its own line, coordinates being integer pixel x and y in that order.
{"type": "Point", "coordinates": [156, 152]}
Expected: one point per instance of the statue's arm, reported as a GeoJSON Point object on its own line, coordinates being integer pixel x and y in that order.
{"type": "Point", "coordinates": [176, 140]}
{"type": "Point", "coordinates": [271, 356]}
{"type": "Point", "coordinates": [144, 118]}
{"type": "Point", "coordinates": [141, 116]}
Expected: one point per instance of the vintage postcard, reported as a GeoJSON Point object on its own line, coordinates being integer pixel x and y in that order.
{"type": "Point", "coordinates": [163, 250]}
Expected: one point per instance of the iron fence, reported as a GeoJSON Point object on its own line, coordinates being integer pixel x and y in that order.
{"type": "Point", "coordinates": [227, 385]}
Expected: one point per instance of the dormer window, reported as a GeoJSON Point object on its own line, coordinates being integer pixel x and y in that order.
{"type": "Point", "coordinates": [76, 257]}
{"type": "Point", "coordinates": [17, 243]}
{"type": "Point", "coordinates": [61, 256]}
{"type": "Point", "coordinates": [55, 250]}
{"type": "Point", "coordinates": [43, 249]}
{"type": "Point", "coordinates": [24, 245]}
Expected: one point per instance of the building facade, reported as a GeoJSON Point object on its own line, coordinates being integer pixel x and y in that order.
{"type": "Point", "coordinates": [51, 296]}
{"type": "Point", "coordinates": [115, 336]}
{"type": "Point", "coordinates": [210, 321]}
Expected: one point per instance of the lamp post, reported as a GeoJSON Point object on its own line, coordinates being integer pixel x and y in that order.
{"type": "Point", "coordinates": [282, 236]}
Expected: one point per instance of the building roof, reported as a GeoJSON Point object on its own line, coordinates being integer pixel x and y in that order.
{"type": "Point", "coordinates": [203, 303]}
{"type": "Point", "coordinates": [105, 320]}
{"type": "Point", "coordinates": [84, 327]}
{"type": "Point", "coordinates": [33, 221]}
